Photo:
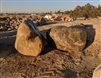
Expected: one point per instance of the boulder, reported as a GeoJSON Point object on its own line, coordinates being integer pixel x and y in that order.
{"type": "Point", "coordinates": [97, 72]}
{"type": "Point", "coordinates": [67, 38]}
{"type": "Point", "coordinates": [29, 41]}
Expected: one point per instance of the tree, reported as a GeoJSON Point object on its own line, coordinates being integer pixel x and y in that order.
{"type": "Point", "coordinates": [86, 10]}
{"type": "Point", "coordinates": [67, 12]}
{"type": "Point", "coordinates": [58, 12]}
{"type": "Point", "coordinates": [99, 10]}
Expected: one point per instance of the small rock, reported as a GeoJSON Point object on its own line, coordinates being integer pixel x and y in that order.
{"type": "Point", "coordinates": [9, 29]}
{"type": "Point", "coordinates": [16, 27]}
{"type": "Point", "coordinates": [3, 28]}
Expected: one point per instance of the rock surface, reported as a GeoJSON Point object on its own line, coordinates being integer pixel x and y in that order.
{"type": "Point", "coordinates": [29, 41]}
{"type": "Point", "coordinates": [67, 38]}
{"type": "Point", "coordinates": [97, 72]}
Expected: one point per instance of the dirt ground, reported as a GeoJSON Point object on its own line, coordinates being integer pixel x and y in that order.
{"type": "Point", "coordinates": [52, 63]}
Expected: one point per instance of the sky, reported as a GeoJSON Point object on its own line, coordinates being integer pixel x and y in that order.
{"type": "Point", "coordinates": [39, 6]}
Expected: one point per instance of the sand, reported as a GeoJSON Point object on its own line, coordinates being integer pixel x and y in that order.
{"type": "Point", "coordinates": [51, 63]}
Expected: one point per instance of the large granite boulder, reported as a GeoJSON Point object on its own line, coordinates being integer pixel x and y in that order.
{"type": "Point", "coordinates": [29, 41]}
{"type": "Point", "coordinates": [67, 38]}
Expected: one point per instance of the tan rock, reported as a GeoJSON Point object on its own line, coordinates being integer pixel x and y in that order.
{"type": "Point", "coordinates": [16, 27]}
{"type": "Point", "coordinates": [97, 72]}
{"type": "Point", "coordinates": [67, 38]}
{"type": "Point", "coordinates": [29, 41]}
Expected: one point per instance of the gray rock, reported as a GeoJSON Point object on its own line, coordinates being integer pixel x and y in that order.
{"type": "Point", "coordinates": [67, 38]}
{"type": "Point", "coordinates": [3, 28]}
{"type": "Point", "coordinates": [29, 41]}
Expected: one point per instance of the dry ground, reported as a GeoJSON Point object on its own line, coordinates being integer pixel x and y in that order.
{"type": "Point", "coordinates": [52, 63]}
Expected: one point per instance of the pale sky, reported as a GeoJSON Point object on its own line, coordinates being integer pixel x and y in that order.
{"type": "Point", "coordinates": [7, 6]}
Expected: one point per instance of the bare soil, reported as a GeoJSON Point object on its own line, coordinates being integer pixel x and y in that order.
{"type": "Point", "coordinates": [52, 63]}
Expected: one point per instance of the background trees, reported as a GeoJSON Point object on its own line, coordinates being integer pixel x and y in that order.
{"type": "Point", "coordinates": [80, 11]}
{"type": "Point", "coordinates": [99, 10]}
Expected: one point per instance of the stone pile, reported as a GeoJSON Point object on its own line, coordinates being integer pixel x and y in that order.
{"type": "Point", "coordinates": [10, 23]}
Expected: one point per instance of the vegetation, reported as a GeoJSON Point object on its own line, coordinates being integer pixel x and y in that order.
{"type": "Point", "coordinates": [80, 11]}
{"type": "Point", "coordinates": [87, 10]}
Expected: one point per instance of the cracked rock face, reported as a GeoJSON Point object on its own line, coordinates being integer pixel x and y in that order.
{"type": "Point", "coordinates": [29, 41]}
{"type": "Point", "coordinates": [67, 38]}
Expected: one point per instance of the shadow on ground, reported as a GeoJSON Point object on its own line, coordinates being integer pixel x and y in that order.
{"type": "Point", "coordinates": [7, 40]}
{"type": "Point", "coordinates": [7, 37]}
{"type": "Point", "coordinates": [49, 23]}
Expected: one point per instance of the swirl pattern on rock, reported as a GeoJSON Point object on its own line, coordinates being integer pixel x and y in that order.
{"type": "Point", "coordinates": [67, 38]}
{"type": "Point", "coordinates": [29, 41]}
